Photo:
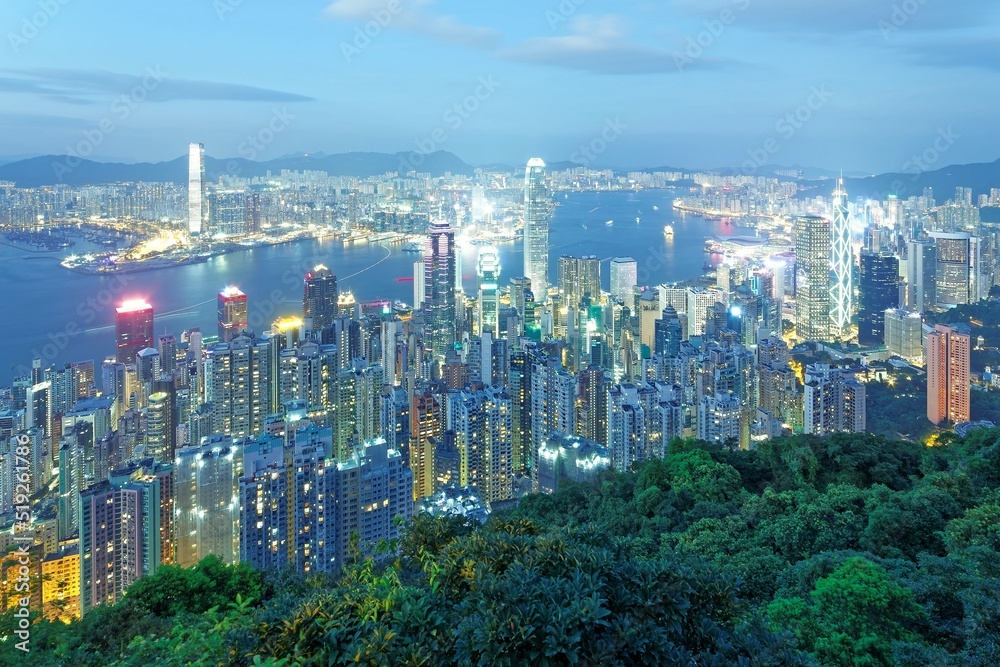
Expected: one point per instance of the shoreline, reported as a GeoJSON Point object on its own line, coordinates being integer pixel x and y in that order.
{"type": "Point", "coordinates": [152, 265]}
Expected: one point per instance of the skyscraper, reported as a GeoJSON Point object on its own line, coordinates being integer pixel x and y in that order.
{"type": "Point", "coordinates": [536, 229]}
{"type": "Point", "coordinates": [833, 403]}
{"type": "Point", "coordinates": [957, 279]}
{"type": "Point", "coordinates": [578, 277]}
{"type": "Point", "coordinates": [921, 266]}
{"type": "Point", "coordinates": [878, 291]}
{"type": "Point", "coordinates": [133, 329]}
{"type": "Point", "coordinates": [238, 384]}
{"type": "Point", "coordinates": [842, 262]}
{"type": "Point", "coordinates": [948, 365]}
{"type": "Point", "coordinates": [812, 283]}
{"type": "Point", "coordinates": [623, 278]}
{"type": "Point", "coordinates": [161, 433]}
{"type": "Point", "coordinates": [419, 288]}
{"type": "Point", "coordinates": [227, 211]}
{"type": "Point", "coordinates": [233, 315]}
{"type": "Point", "coordinates": [320, 296]}
{"type": "Point", "coordinates": [903, 333]}
{"type": "Point", "coordinates": [488, 273]}
{"type": "Point", "coordinates": [207, 502]}
{"type": "Point", "coordinates": [197, 201]}
{"type": "Point", "coordinates": [439, 285]}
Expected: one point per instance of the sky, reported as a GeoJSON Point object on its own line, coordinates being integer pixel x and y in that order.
{"type": "Point", "coordinates": [860, 85]}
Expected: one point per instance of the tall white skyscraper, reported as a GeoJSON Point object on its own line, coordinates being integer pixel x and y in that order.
{"type": "Point", "coordinates": [842, 262]}
{"type": "Point", "coordinates": [536, 229]}
{"type": "Point", "coordinates": [623, 278]}
{"type": "Point", "coordinates": [197, 202]}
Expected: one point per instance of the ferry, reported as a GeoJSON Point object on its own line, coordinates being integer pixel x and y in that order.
{"type": "Point", "coordinates": [668, 231]}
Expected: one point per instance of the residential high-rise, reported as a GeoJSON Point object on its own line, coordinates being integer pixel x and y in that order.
{"type": "Point", "coordinates": [878, 291]}
{"type": "Point", "coordinates": [354, 414]}
{"type": "Point", "coordinates": [488, 273]}
{"type": "Point", "coordinates": [238, 381]}
{"type": "Point", "coordinates": [842, 262]}
{"type": "Point", "coordinates": [536, 229]}
{"type": "Point", "coordinates": [624, 278]}
{"type": "Point", "coordinates": [425, 426]}
{"type": "Point", "coordinates": [126, 530]}
{"type": "Point", "coordinates": [206, 500]}
{"type": "Point", "coordinates": [833, 402]}
{"type": "Point", "coordinates": [133, 329]}
{"type": "Point", "coordinates": [719, 417]}
{"type": "Point", "coordinates": [371, 494]}
{"type": "Point", "coordinates": [252, 215]}
{"type": "Point", "coordinates": [481, 421]}
{"type": "Point", "coordinates": [553, 407]}
{"type": "Point", "coordinates": [439, 286]}
{"type": "Point", "coordinates": [197, 199]}
{"type": "Point", "coordinates": [812, 282]}
{"type": "Point", "coordinates": [161, 426]}
{"type": "Point", "coordinates": [233, 315]}
{"type": "Point", "coordinates": [320, 297]}
{"type": "Point", "coordinates": [903, 335]}
{"type": "Point", "coordinates": [948, 373]}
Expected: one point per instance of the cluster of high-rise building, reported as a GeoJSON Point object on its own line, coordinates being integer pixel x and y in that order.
{"type": "Point", "coordinates": [295, 444]}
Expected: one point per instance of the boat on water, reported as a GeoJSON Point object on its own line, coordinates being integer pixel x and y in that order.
{"type": "Point", "coordinates": [585, 227]}
{"type": "Point", "coordinates": [668, 231]}
{"type": "Point", "coordinates": [609, 223]}
{"type": "Point", "coordinates": [656, 208]}
{"type": "Point", "coordinates": [413, 246]}
{"type": "Point", "coordinates": [637, 220]}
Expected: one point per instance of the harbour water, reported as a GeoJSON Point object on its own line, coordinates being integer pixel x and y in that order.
{"type": "Point", "coordinates": [62, 316]}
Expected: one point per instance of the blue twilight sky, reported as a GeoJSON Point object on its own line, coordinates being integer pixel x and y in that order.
{"type": "Point", "coordinates": [698, 83]}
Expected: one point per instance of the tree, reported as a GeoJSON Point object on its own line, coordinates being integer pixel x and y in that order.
{"type": "Point", "coordinates": [851, 617]}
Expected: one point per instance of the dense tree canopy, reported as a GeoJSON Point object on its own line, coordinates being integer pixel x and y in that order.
{"type": "Point", "coordinates": [848, 550]}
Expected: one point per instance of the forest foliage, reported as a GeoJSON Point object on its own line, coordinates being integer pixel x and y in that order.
{"type": "Point", "coordinates": [850, 550]}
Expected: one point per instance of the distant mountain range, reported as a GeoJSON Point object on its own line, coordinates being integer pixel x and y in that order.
{"type": "Point", "coordinates": [981, 177]}
{"type": "Point", "coordinates": [53, 169]}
